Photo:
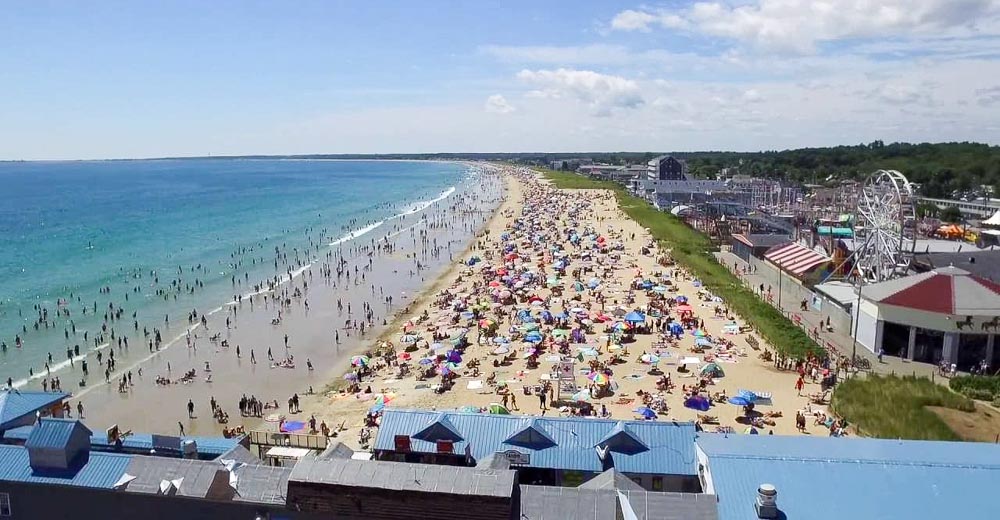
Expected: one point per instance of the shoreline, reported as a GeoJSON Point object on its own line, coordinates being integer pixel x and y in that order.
{"type": "Point", "coordinates": [310, 328]}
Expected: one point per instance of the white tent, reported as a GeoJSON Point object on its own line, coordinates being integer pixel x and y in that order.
{"type": "Point", "coordinates": [994, 220]}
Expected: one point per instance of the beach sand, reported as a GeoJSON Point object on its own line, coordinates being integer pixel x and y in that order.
{"type": "Point", "coordinates": [598, 210]}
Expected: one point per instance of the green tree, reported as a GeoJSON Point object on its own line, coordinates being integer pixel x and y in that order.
{"type": "Point", "coordinates": [951, 214]}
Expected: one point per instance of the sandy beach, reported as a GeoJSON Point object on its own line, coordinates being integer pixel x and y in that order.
{"type": "Point", "coordinates": [547, 299]}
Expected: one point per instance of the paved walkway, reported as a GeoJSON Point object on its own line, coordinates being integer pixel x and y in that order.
{"type": "Point", "coordinates": [791, 295]}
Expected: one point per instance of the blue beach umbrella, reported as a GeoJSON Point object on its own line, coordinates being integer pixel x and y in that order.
{"type": "Point", "coordinates": [739, 401]}
{"type": "Point", "coordinates": [645, 412]}
{"type": "Point", "coordinates": [635, 317]}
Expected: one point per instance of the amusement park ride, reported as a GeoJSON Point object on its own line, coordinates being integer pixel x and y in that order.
{"type": "Point", "coordinates": [885, 231]}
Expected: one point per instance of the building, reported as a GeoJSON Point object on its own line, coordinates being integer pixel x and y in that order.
{"type": "Point", "coordinates": [755, 245]}
{"type": "Point", "coordinates": [981, 209]}
{"type": "Point", "coordinates": [19, 408]}
{"type": "Point", "coordinates": [984, 263]}
{"type": "Point", "coordinates": [658, 456]}
{"type": "Point", "coordinates": [666, 168]}
{"type": "Point", "coordinates": [944, 314]}
{"type": "Point", "coordinates": [827, 478]}
{"type": "Point", "coordinates": [799, 260]}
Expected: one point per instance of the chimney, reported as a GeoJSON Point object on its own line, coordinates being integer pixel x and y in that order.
{"type": "Point", "coordinates": [767, 502]}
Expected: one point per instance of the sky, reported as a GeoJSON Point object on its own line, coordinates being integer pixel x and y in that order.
{"type": "Point", "coordinates": [103, 79]}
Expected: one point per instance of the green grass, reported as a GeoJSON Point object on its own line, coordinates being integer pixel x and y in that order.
{"type": "Point", "coordinates": [985, 388]}
{"type": "Point", "coordinates": [694, 251]}
{"type": "Point", "coordinates": [893, 407]}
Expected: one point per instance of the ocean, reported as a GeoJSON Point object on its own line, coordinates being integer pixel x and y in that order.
{"type": "Point", "coordinates": [163, 238]}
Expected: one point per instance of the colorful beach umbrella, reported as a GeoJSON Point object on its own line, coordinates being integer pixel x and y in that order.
{"type": "Point", "coordinates": [599, 378]}
{"type": "Point", "coordinates": [360, 361]}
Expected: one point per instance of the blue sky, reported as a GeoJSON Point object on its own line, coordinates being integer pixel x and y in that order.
{"type": "Point", "coordinates": [144, 79]}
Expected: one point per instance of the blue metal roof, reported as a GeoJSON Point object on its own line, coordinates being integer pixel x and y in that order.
{"type": "Point", "coordinates": [18, 434]}
{"type": "Point", "coordinates": [102, 470]}
{"type": "Point", "coordinates": [53, 433]}
{"type": "Point", "coordinates": [670, 445]}
{"type": "Point", "coordinates": [208, 446]}
{"type": "Point", "coordinates": [15, 404]}
{"type": "Point", "coordinates": [822, 478]}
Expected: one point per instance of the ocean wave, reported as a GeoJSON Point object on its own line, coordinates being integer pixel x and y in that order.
{"type": "Point", "coordinates": [357, 233]}
{"type": "Point", "coordinates": [422, 205]}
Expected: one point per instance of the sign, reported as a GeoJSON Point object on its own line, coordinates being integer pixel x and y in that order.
{"type": "Point", "coordinates": [517, 458]}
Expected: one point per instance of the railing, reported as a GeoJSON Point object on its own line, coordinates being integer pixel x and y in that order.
{"type": "Point", "coordinates": [291, 440]}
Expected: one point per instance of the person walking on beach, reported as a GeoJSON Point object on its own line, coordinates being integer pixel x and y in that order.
{"type": "Point", "coordinates": [181, 428]}
{"type": "Point", "coordinates": [541, 401]}
{"type": "Point", "coordinates": [799, 383]}
{"type": "Point", "coordinates": [190, 409]}
{"type": "Point", "coordinates": [79, 409]}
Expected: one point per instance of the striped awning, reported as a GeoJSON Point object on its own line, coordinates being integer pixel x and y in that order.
{"type": "Point", "coordinates": [795, 258]}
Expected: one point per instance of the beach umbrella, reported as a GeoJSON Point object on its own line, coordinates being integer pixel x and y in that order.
{"type": "Point", "coordinates": [498, 409]}
{"type": "Point", "coordinates": [404, 356]}
{"type": "Point", "coordinates": [453, 356]}
{"type": "Point", "coordinates": [409, 338]}
{"type": "Point", "coordinates": [739, 401]}
{"type": "Point", "coordinates": [360, 361]}
{"type": "Point", "coordinates": [501, 350]}
{"type": "Point", "coordinates": [748, 395]}
{"type": "Point", "coordinates": [702, 342]}
{"type": "Point", "coordinates": [560, 333]}
{"type": "Point", "coordinates": [697, 402]}
{"type": "Point", "coordinates": [486, 323]}
{"type": "Point", "coordinates": [650, 359]}
{"type": "Point", "coordinates": [533, 336]}
{"type": "Point", "coordinates": [594, 282]}
{"type": "Point", "coordinates": [599, 378]}
{"type": "Point", "coordinates": [659, 289]}
{"type": "Point", "coordinates": [618, 327]}
{"type": "Point", "coordinates": [527, 327]}
{"type": "Point", "coordinates": [698, 333]}
{"type": "Point", "coordinates": [494, 283]}
{"type": "Point", "coordinates": [589, 352]}
{"type": "Point", "coordinates": [427, 361]}
{"type": "Point", "coordinates": [469, 409]}
{"type": "Point", "coordinates": [500, 340]}
{"type": "Point", "coordinates": [681, 299]}
{"type": "Point", "coordinates": [351, 376]}
{"type": "Point", "coordinates": [645, 412]}
{"type": "Point", "coordinates": [635, 317]}
{"type": "Point", "coordinates": [581, 396]}
{"type": "Point", "coordinates": [444, 370]}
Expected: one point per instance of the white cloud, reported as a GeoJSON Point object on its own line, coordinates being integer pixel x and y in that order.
{"type": "Point", "coordinates": [800, 25]}
{"type": "Point", "coordinates": [631, 20]}
{"type": "Point", "coordinates": [988, 96]}
{"type": "Point", "coordinates": [498, 104]}
{"type": "Point", "coordinates": [603, 92]}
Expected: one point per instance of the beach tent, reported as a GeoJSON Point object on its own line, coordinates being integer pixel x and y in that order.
{"type": "Point", "coordinates": [698, 402]}
{"type": "Point", "coordinates": [712, 370]}
{"type": "Point", "coordinates": [498, 409]}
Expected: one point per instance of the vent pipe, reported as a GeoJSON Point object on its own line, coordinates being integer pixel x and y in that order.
{"type": "Point", "coordinates": [767, 502]}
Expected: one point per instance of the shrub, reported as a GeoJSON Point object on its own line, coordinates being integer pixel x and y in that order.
{"type": "Point", "coordinates": [984, 388]}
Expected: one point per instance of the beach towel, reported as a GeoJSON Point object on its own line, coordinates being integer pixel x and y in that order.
{"type": "Point", "coordinates": [474, 385]}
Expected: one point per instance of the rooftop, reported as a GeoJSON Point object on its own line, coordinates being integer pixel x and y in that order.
{"type": "Point", "coordinates": [402, 476]}
{"type": "Point", "coordinates": [102, 470]}
{"type": "Point", "coordinates": [556, 503]}
{"type": "Point", "coordinates": [833, 478]}
{"type": "Point", "coordinates": [946, 290]}
{"type": "Point", "coordinates": [558, 443]}
{"type": "Point", "coordinates": [15, 404]}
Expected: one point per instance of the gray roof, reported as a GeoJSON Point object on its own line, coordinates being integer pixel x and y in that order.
{"type": "Point", "coordinates": [552, 503]}
{"type": "Point", "coordinates": [240, 454]}
{"type": "Point", "coordinates": [260, 484]}
{"type": "Point", "coordinates": [611, 479]}
{"type": "Point", "coordinates": [402, 476]}
{"type": "Point", "coordinates": [336, 450]}
{"type": "Point", "coordinates": [985, 263]}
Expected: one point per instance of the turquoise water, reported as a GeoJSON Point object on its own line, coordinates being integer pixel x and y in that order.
{"type": "Point", "coordinates": [171, 236]}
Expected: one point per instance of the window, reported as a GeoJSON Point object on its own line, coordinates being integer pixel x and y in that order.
{"type": "Point", "coordinates": [657, 483]}
{"type": "Point", "coordinates": [5, 504]}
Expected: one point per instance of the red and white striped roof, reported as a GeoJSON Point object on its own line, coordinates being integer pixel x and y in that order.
{"type": "Point", "coordinates": [795, 258]}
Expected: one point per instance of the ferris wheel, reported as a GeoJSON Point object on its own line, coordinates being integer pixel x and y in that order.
{"type": "Point", "coordinates": [884, 228]}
